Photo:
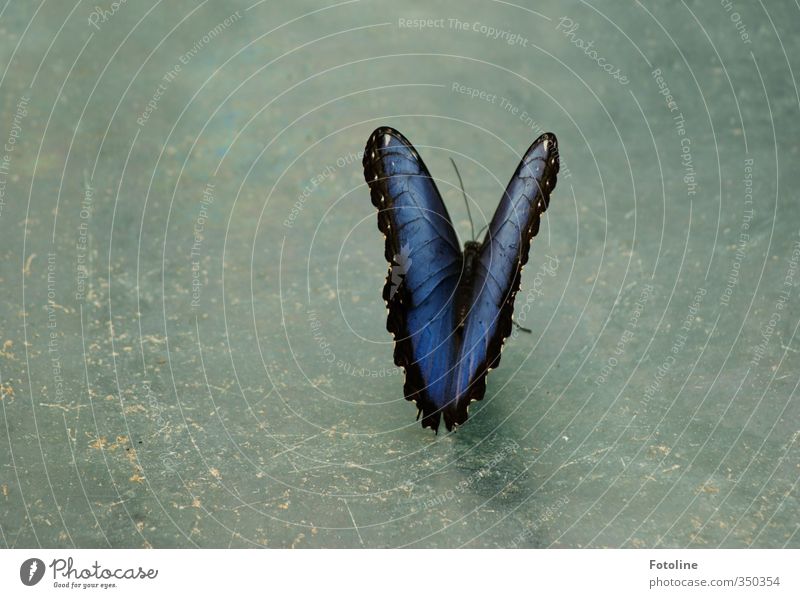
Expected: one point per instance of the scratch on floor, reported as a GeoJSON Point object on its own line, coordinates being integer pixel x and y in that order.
{"type": "Point", "coordinates": [353, 519]}
{"type": "Point", "coordinates": [232, 535]}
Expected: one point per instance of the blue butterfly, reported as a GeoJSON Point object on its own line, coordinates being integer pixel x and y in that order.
{"type": "Point", "coordinates": [450, 310]}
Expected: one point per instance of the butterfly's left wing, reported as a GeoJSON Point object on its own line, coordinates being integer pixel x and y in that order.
{"type": "Point", "coordinates": [504, 252]}
{"type": "Point", "coordinates": [425, 268]}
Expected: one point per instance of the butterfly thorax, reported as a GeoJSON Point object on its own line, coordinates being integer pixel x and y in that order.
{"type": "Point", "coordinates": [463, 292]}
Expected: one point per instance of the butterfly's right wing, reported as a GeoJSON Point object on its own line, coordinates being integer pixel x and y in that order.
{"type": "Point", "coordinates": [425, 265]}
{"type": "Point", "coordinates": [503, 253]}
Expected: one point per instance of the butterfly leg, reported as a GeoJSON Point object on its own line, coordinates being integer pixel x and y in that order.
{"type": "Point", "coordinates": [520, 327]}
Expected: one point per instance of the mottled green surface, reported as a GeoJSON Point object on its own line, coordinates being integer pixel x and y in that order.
{"type": "Point", "coordinates": [241, 392]}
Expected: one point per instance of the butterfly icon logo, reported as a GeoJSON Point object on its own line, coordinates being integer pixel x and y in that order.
{"type": "Point", "coordinates": [31, 571]}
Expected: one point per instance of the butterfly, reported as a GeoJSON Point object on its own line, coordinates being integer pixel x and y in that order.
{"type": "Point", "coordinates": [450, 310]}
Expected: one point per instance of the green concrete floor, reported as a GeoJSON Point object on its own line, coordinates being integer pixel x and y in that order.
{"type": "Point", "coordinates": [192, 341]}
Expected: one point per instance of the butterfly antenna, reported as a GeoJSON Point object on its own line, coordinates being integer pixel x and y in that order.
{"type": "Point", "coordinates": [464, 193]}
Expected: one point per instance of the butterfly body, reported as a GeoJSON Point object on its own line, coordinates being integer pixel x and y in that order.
{"type": "Point", "coordinates": [464, 290]}
{"type": "Point", "coordinates": [450, 309]}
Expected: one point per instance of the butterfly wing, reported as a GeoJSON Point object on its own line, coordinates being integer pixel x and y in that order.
{"type": "Point", "coordinates": [425, 265]}
{"type": "Point", "coordinates": [503, 253]}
